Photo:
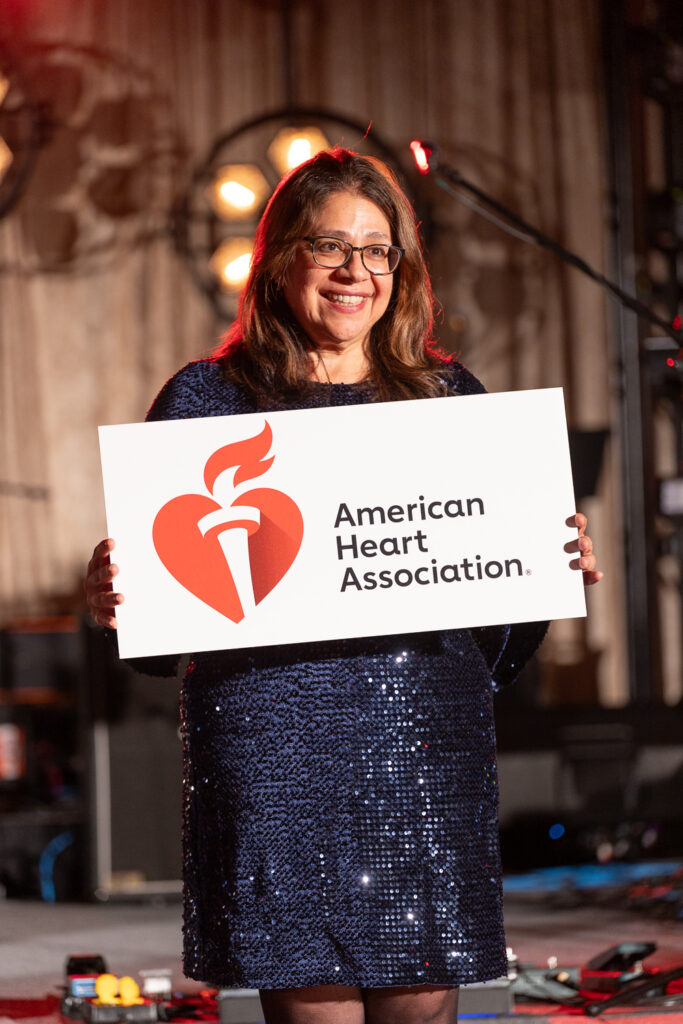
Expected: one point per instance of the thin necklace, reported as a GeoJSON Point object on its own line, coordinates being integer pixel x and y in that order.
{"type": "Point", "coordinates": [322, 361]}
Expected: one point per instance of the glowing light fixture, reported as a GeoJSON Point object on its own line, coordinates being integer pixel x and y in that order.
{"type": "Point", "coordinates": [298, 151]}
{"type": "Point", "coordinates": [231, 263]}
{"type": "Point", "coordinates": [6, 156]}
{"type": "Point", "coordinates": [239, 196]}
{"type": "Point", "coordinates": [237, 191]}
{"type": "Point", "coordinates": [230, 187]}
{"type": "Point", "coordinates": [291, 146]}
{"type": "Point", "coordinates": [422, 152]}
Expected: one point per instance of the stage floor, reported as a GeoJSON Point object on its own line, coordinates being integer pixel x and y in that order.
{"type": "Point", "coordinates": [36, 938]}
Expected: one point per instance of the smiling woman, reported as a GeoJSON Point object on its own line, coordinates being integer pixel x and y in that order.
{"type": "Point", "coordinates": [340, 833]}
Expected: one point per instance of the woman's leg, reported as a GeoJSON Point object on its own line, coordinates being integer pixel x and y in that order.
{"type": "Point", "coordinates": [419, 1004]}
{"type": "Point", "coordinates": [320, 1004]}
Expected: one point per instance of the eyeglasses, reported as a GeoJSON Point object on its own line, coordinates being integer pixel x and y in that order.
{"type": "Point", "coordinates": [377, 257]}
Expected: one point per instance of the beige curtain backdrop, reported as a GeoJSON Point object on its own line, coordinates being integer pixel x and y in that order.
{"type": "Point", "coordinates": [511, 89]}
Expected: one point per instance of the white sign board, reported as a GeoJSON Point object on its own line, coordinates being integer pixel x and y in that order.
{"type": "Point", "coordinates": [281, 527]}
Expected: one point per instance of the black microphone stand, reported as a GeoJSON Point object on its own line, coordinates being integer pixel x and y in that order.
{"type": "Point", "coordinates": [444, 174]}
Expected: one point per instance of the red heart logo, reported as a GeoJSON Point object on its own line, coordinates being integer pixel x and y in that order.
{"type": "Point", "coordinates": [195, 558]}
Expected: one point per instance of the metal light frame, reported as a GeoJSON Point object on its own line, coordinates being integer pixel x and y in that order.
{"type": "Point", "coordinates": [197, 229]}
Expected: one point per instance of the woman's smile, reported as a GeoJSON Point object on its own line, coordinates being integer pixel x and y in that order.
{"type": "Point", "coordinates": [345, 299]}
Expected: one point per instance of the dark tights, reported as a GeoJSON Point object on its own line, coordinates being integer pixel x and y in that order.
{"type": "Point", "coordinates": [345, 1004]}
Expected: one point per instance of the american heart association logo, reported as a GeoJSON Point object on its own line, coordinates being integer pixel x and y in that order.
{"type": "Point", "coordinates": [231, 549]}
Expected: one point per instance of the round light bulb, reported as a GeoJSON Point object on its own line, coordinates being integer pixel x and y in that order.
{"type": "Point", "coordinates": [239, 196]}
{"type": "Point", "coordinates": [298, 150]}
{"type": "Point", "coordinates": [237, 270]}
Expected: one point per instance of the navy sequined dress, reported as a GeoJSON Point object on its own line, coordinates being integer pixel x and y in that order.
{"type": "Point", "coordinates": [340, 806]}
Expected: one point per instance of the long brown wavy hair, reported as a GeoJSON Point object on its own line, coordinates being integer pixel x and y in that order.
{"type": "Point", "coordinates": [267, 351]}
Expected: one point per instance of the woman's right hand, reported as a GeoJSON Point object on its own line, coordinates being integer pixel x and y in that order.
{"type": "Point", "coordinates": [99, 589]}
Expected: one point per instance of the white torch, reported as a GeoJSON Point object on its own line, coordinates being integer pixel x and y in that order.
{"type": "Point", "coordinates": [233, 525]}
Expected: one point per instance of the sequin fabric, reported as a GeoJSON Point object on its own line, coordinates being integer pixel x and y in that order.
{"type": "Point", "coordinates": [340, 799]}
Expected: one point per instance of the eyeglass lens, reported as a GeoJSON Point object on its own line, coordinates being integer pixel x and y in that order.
{"type": "Point", "coordinates": [377, 258]}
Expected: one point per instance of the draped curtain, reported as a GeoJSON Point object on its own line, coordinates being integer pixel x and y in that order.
{"type": "Point", "coordinates": [511, 90]}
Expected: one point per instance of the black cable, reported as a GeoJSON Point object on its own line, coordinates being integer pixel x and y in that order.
{"type": "Point", "coordinates": [636, 992]}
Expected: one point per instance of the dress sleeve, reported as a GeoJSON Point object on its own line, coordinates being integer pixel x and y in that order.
{"type": "Point", "coordinates": [460, 381]}
{"type": "Point", "coordinates": [182, 397]}
{"type": "Point", "coordinates": [507, 649]}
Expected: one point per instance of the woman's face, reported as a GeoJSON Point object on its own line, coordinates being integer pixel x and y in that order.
{"type": "Point", "coordinates": [338, 307]}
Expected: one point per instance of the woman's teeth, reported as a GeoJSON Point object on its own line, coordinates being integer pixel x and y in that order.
{"type": "Point", "coordinates": [345, 300]}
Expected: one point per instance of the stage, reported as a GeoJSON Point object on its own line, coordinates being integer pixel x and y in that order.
{"type": "Point", "coordinates": [38, 937]}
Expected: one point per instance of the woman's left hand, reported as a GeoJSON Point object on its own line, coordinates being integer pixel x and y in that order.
{"type": "Point", "coordinates": [584, 545]}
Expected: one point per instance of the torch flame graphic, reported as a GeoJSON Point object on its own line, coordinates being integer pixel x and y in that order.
{"type": "Point", "coordinates": [246, 455]}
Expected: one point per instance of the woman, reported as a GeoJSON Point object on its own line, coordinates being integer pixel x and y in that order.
{"type": "Point", "coordinates": [340, 804]}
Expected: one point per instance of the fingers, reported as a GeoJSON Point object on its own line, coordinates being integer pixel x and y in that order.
{"type": "Point", "coordinates": [102, 577]}
{"type": "Point", "coordinates": [105, 599]}
{"type": "Point", "coordinates": [99, 590]}
{"type": "Point", "coordinates": [100, 557]}
{"type": "Point", "coordinates": [100, 580]}
{"type": "Point", "coordinates": [583, 546]}
{"type": "Point", "coordinates": [102, 619]}
{"type": "Point", "coordinates": [103, 607]}
{"type": "Point", "coordinates": [585, 562]}
{"type": "Point", "coordinates": [578, 521]}
{"type": "Point", "coordinates": [101, 551]}
{"type": "Point", "coordinates": [108, 621]}
{"type": "Point", "coordinates": [104, 547]}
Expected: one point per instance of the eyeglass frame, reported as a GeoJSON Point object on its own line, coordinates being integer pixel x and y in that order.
{"type": "Point", "coordinates": [355, 248]}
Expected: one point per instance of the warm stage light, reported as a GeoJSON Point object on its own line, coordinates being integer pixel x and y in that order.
{"type": "Point", "coordinates": [5, 152]}
{"type": "Point", "coordinates": [237, 191]}
{"type": "Point", "coordinates": [231, 263]}
{"type": "Point", "coordinates": [234, 194]}
{"type": "Point", "coordinates": [237, 271]}
{"type": "Point", "coordinates": [421, 152]}
{"type": "Point", "coordinates": [5, 157]}
{"type": "Point", "coordinates": [230, 188]}
{"type": "Point", "coordinates": [291, 146]}
{"type": "Point", "coordinates": [298, 151]}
